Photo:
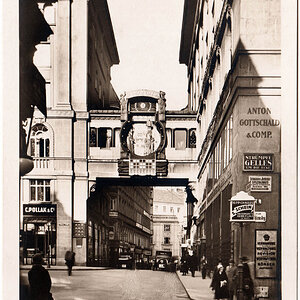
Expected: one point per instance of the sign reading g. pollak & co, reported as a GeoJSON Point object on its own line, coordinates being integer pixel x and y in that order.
{"type": "Point", "coordinates": [265, 253]}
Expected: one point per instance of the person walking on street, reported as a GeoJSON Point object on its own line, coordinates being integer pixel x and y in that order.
{"type": "Point", "coordinates": [220, 283]}
{"type": "Point", "coordinates": [203, 266]}
{"type": "Point", "coordinates": [70, 261]}
{"type": "Point", "coordinates": [193, 264]}
{"type": "Point", "coordinates": [39, 280]}
{"type": "Point", "coordinates": [184, 265]}
{"type": "Point", "coordinates": [231, 272]}
{"type": "Point", "coordinates": [248, 287]}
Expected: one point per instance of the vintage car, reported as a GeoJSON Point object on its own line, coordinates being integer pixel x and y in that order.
{"type": "Point", "coordinates": [125, 261]}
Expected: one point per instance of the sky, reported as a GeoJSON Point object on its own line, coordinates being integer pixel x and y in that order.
{"type": "Point", "coordinates": [147, 34]}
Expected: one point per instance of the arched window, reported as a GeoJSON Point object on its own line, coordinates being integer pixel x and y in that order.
{"type": "Point", "coordinates": [192, 138]}
{"type": "Point", "coordinates": [39, 141]}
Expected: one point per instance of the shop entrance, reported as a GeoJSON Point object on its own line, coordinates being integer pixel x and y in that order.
{"type": "Point", "coordinates": [38, 237]}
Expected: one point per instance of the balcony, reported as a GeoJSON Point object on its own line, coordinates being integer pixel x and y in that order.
{"type": "Point", "coordinates": [41, 162]}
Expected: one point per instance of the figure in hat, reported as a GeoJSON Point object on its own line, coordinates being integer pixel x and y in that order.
{"type": "Point", "coordinates": [39, 280]}
{"type": "Point", "coordinates": [231, 272]}
{"type": "Point", "coordinates": [248, 286]}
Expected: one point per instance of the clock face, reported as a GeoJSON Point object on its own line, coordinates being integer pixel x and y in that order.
{"type": "Point", "coordinates": [143, 139]}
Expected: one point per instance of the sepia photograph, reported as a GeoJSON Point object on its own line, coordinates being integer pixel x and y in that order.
{"type": "Point", "coordinates": [149, 149]}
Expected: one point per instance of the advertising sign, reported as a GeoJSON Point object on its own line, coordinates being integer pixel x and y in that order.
{"type": "Point", "coordinates": [258, 162]}
{"type": "Point", "coordinates": [242, 211]}
{"type": "Point", "coordinates": [265, 253]}
{"type": "Point", "coordinates": [260, 183]}
{"type": "Point", "coordinates": [260, 216]}
{"type": "Point", "coordinates": [39, 209]}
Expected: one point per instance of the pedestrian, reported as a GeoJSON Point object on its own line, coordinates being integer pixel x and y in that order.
{"type": "Point", "coordinates": [248, 287]}
{"type": "Point", "coordinates": [203, 266]}
{"type": "Point", "coordinates": [220, 283]}
{"type": "Point", "coordinates": [39, 280]}
{"type": "Point", "coordinates": [231, 272]}
{"type": "Point", "coordinates": [193, 264]}
{"type": "Point", "coordinates": [184, 265]}
{"type": "Point", "coordinates": [70, 261]}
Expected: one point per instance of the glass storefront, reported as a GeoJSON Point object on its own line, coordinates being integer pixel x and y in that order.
{"type": "Point", "coordinates": [38, 237]}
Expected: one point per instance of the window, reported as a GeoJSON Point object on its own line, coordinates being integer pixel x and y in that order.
{"type": "Point", "coordinates": [156, 208]}
{"type": "Point", "coordinates": [178, 209]}
{"type": "Point", "coordinates": [164, 208]}
{"type": "Point", "coordinates": [100, 137]}
{"type": "Point", "coordinates": [171, 209]}
{"type": "Point", "coordinates": [180, 139]}
{"type": "Point", "coordinates": [39, 141]}
{"type": "Point", "coordinates": [139, 218]}
{"type": "Point", "coordinates": [112, 204]}
{"type": "Point", "coordinates": [192, 138]}
{"type": "Point", "coordinates": [167, 227]}
{"type": "Point", "coordinates": [166, 240]}
{"type": "Point", "coordinates": [39, 190]}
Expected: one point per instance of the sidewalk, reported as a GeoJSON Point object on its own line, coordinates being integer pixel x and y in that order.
{"type": "Point", "coordinates": [64, 268]}
{"type": "Point", "coordinates": [196, 287]}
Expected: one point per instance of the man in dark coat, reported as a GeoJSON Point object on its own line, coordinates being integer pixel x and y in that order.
{"type": "Point", "coordinates": [232, 274]}
{"type": "Point", "coordinates": [70, 261]}
{"type": "Point", "coordinates": [193, 263]}
{"type": "Point", "coordinates": [39, 280]}
{"type": "Point", "coordinates": [248, 287]}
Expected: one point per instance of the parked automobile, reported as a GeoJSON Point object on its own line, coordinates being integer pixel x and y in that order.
{"type": "Point", "coordinates": [125, 261]}
{"type": "Point", "coordinates": [162, 264]}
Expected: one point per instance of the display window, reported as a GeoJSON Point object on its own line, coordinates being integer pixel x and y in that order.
{"type": "Point", "coordinates": [38, 237]}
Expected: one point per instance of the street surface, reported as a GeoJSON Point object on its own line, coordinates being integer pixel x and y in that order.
{"type": "Point", "coordinates": [115, 284]}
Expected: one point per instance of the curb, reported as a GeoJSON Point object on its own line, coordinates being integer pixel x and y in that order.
{"type": "Point", "coordinates": [184, 286]}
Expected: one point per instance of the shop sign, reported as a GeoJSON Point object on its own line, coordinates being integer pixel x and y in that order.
{"type": "Point", "coordinates": [262, 292]}
{"type": "Point", "coordinates": [139, 225]}
{"type": "Point", "coordinates": [258, 162]}
{"type": "Point", "coordinates": [147, 252]}
{"type": "Point", "coordinates": [265, 253]}
{"type": "Point", "coordinates": [113, 214]}
{"type": "Point", "coordinates": [242, 211]}
{"type": "Point", "coordinates": [260, 183]}
{"type": "Point", "coordinates": [39, 209]}
{"type": "Point", "coordinates": [146, 230]}
{"type": "Point", "coordinates": [260, 216]}
{"type": "Point", "coordinates": [111, 235]}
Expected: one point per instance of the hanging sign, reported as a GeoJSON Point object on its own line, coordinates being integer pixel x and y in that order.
{"type": "Point", "coordinates": [242, 208]}
{"type": "Point", "coordinates": [265, 253]}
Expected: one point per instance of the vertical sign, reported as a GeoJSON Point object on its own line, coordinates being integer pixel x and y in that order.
{"type": "Point", "coordinates": [265, 253]}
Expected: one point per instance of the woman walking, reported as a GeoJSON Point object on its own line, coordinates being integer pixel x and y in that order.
{"type": "Point", "coordinates": [220, 283]}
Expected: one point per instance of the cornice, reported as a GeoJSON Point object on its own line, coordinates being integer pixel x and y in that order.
{"type": "Point", "coordinates": [60, 114]}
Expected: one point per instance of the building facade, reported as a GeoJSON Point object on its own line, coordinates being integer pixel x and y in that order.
{"type": "Point", "coordinates": [169, 219]}
{"type": "Point", "coordinates": [54, 193]}
{"type": "Point", "coordinates": [232, 53]}
{"type": "Point", "coordinates": [119, 222]}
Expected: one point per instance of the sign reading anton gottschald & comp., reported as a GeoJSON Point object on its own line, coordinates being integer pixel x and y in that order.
{"type": "Point", "coordinates": [39, 209]}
